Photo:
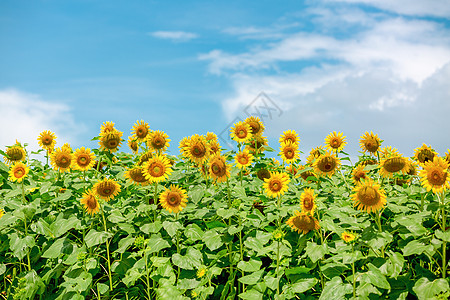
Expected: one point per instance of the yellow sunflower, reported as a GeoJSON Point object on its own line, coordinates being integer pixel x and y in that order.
{"type": "Point", "coordinates": [256, 144]}
{"type": "Point", "coordinates": [140, 130]}
{"type": "Point", "coordinates": [434, 175]}
{"type": "Point", "coordinates": [314, 154]}
{"type": "Point", "coordinates": [277, 184]}
{"type": "Point", "coordinates": [111, 141]}
{"type": "Point", "coordinates": [158, 141]}
{"type": "Point", "coordinates": [289, 152]}
{"type": "Point", "coordinates": [370, 142]}
{"type": "Point", "coordinates": [447, 156]}
{"type": "Point", "coordinates": [289, 135]}
{"type": "Point", "coordinates": [358, 173]}
{"type": "Point", "coordinates": [335, 141]}
{"type": "Point", "coordinates": [106, 128]}
{"type": "Point", "coordinates": [305, 174]}
{"type": "Point", "coordinates": [18, 171]}
{"type": "Point", "coordinates": [211, 137]}
{"type": "Point", "coordinates": [90, 202]}
{"type": "Point", "coordinates": [83, 159]}
{"type": "Point", "coordinates": [106, 189]}
{"type": "Point", "coordinates": [326, 164]}
{"type": "Point", "coordinates": [144, 157]}
{"type": "Point", "coordinates": [136, 175]}
{"type": "Point", "coordinates": [133, 144]}
{"type": "Point", "coordinates": [348, 237]}
{"type": "Point", "coordinates": [243, 159]}
{"type": "Point", "coordinates": [308, 201]}
{"type": "Point", "coordinates": [173, 199]}
{"type": "Point", "coordinates": [292, 170]}
{"type": "Point", "coordinates": [14, 154]}
{"type": "Point", "coordinates": [218, 168]}
{"type": "Point", "coordinates": [47, 140]}
{"type": "Point", "coordinates": [303, 223]}
{"type": "Point", "coordinates": [157, 168]}
{"type": "Point", "coordinates": [413, 167]}
{"type": "Point", "coordinates": [61, 159]}
{"type": "Point", "coordinates": [424, 154]}
{"type": "Point", "coordinates": [214, 147]}
{"type": "Point", "coordinates": [197, 149]}
{"type": "Point", "coordinates": [388, 151]}
{"type": "Point", "coordinates": [393, 164]}
{"type": "Point", "coordinates": [368, 196]}
{"type": "Point", "coordinates": [257, 127]}
{"type": "Point", "coordinates": [241, 132]}
{"type": "Point", "coordinates": [2, 213]}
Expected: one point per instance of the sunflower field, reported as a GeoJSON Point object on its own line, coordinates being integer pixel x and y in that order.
{"type": "Point", "coordinates": [211, 223]}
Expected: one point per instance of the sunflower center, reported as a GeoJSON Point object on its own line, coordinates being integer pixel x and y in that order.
{"type": "Point", "coordinates": [335, 143]}
{"type": "Point", "coordinates": [359, 175]}
{"type": "Point", "coordinates": [254, 127]}
{"type": "Point", "coordinates": [173, 199]}
{"type": "Point", "coordinates": [394, 164]}
{"type": "Point", "coordinates": [308, 203]}
{"type": "Point", "coordinates": [47, 141]}
{"type": "Point", "coordinates": [368, 196]}
{"type": "Point", "coordinates": [243, 160]}
{"type": "Point", "coordinates": [371, 145]}
{"type": "Point", "coordinates": [436, 177]}
{"type": "Point", "coordinates": [218, 169]}
{"type": "Point", "coordinates": [198, 151]}
{"type": "Point", "coordinates": [262, 174]}
{"type": "Point", "coordinates": [425, 155]}
{"type": "Point", "coordinates": [304, 223]}
{"type": "Point", "coordinates": [63, 161]}
{"type": "Point", "coordinates": [141, 132]}
{"type": "Point", "coordinates": [14, 154]}
{"type": "Point", "coordinates": [91, 202]}
{"type": "Point", "coordinates": [106, 189]}
{"type": "Point", "coordinates": [19, 172]}
{"type": "Point", "coordinates": [137, 175]}
{"type": "Point", "coordinates": [327, 164]}
{"type": "Point", "coordinates": [156, 169]}
{"type": "Point", "coordinates": [241, 133]}
{"type": "Point", "coordinates": [158, 142]}
{"type": "Point", "coordinates": [275, 185]}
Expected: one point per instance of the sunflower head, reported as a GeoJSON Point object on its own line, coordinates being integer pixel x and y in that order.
{"type": "Point", "coordinates": [214, 147]}
{"type": "Point", "coordinates": [18, 171]}
{"type": "Point", "coordinates": [388, 151]}
{"type": "Point", "coordinates": [61, 159]}
{"type": "Point", "coordinates": [106, 128]}
{"type": "Point", "coordinates": [263, 174]}
{"type": "Point", "coordinates": [2, 213]}
{"type": "Point", "coordinates": [173, 199]}
{"type": "Point", "coordinates": [83, 159]}
{"type": "Point", "coordinates": [308, 201]}
{"type": "Point", "coordinates": [326, 164]}
{"type": "Point", "coordinates": [111, 141]}
{"type": "Point", "coordinates": [393, 164]}
{"type": "Point", "coordinates": [211, 137]}
{"type": "Point", "coordinates": [289, 135]}
{"type": "Point", "coordinates": [434, 176]}
{"type": "Point", "coordinates": [289, 152]}
{"type": "Point", "coordinates": [257, 127]}
{"type": "Point", "coordinates": [370, 142]}
{"type": "Point", "coordinates": [291, 169]}
{"type": "Point", "coordinates": [424, 154]}
{"type": "Point", "coordinates": [256, 144]}
{"type": "Point", "coordinates": [106, 189]}
{"type": "Point", "coordinates": [158, 168]}
{"type": "Point", "coordinates": [413, 167]}
{"type": "Point", "coordinates": [303, 223]}
{"type": "Point", "coordinates": [348, 237]}
{"type": "Point", "coordinates": [144, 157]}
{"type": "Point", "coordinates": [218, 168]}
{"type": "Point", "coordinates": [47, 140]}
{"type": "Point", "coordinates": [158, 141]}
{"type": "Point", "coordinates": [314, 154]}
{"type": "Point", "coordinates": [241, 132]}
{"type": "Point", "coordinates": [197, 149]}
{"type": "Point", "coordinates": [368, 196]}
{"type": "Point", "coordinates": [305, 174]}
{"type": "Point", "coordinates": [14, 154]}
{"type": "Point", "coordinates": [277, 184]}
{"type": "Point", "coordinates": [335, 141]}
{"type": "Point", "coordinates": [140, 130]}
{"type": "Point", "coordinates": [243, 159]}
{"type": "Point", "coordinates": [358, 173]}
{"type": "Point", "coordinates": [136, 176]}
{"type": "Point", "coordinates": [90, 202]}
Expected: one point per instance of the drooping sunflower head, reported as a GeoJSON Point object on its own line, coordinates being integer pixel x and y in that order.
{"type": "Point", "coordinates": [243, 159]}
{"type": "Point", "coordinates": [326, 164]}
{"type": "Point", "coordinates": [83, 159]}
{"type": "Point", "coordinates": [314, 154]}
{"type": "Point", "coordinates": [348, 237]}
{"type": "Point", "coordinates": [90, 202]}
{"type": "Point", "coordinates": [173, 199]}
{"type": "Point", "coordinates": [14, 154]}
{"type": "Point", "coordinates": [106, 128]}
{"type": "Point", "coordinates": [47, 140]}
{"type": "Point", "coordinates": [197, 149]}
{"type": "Point", "coordinates": [18, 171]}
{"type": "Point", "coordinates": [241, 132]}
{"type": "Point", "coordinates": [111, 141]}
{"type": "Point", "coordinates": [61, 159]}
{"type": "Point", "coordinates": [158, 141]}
{"type": "Point", "coordinates": [218, 168]}
{"type": "Point", "coordinates": [263, 174]}
{"type": "Point", "coordinates": [214, 147]}
{"type": "Point", "coordinates": [140, 130]}
{"type": "Point", "coordinates": [393, 164]}
{"type": "Point", "coordinates": [424, 153]}
{"type": "Point", "coordinates": [289, 135]}
{"type": "Point", "coordinates": [370, 142]}
{"type": "Point", "coordinates": [211, 137]}
{"type": "Point", "coordinates": [257, 127]}
{"type": "Point", "coordinates": [434, 176]}
{"type": "Point", "coordinates": [305, 173]}
{"type": "Point", "coordinates": [158, 168]}
{"type": "Point", "coordinates": [277, 184]}
{"type": "Point", "coordinates": [303, 223]}
{"type": "Point", "coordinates": [136, 175]}
{"type": "Point", "coordinates": [133, 144]}
{"type": "Point", "coordinates": [413, 167]}
{"type": "Point", "coordinates": [308, 201]}
{"type": "Point", "coordinates": [256, 144]}
{"type": "Point", "coordinates": [358, 173]}
{"type": "Point", "coordinates": [106, 189]}
{"type": "Point", "coordinates": [144, 157]}
{"type": "Point", "coordinates": [335, 141]}
{"type": "Point", "coordinates": [289, 152]}
{"type": "Point", "coordinates": [368, 196]}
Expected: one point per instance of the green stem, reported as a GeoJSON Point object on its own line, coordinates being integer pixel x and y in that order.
{"type": "Point", "coordinates": [25, 223]}
{"type": "Point", "coordinates": [278, 267]}
{"type": "Point", "coordinates": [155, 201]}
{"type": "Point", "coordinates": [230, 254]}
{"type": "Point", "coordinates": [443, 228]}
{"type": "Point", "coordinates": [178, 246]}
{"type": "Point", "coordinates": [147, 273]}
{"type": "Point", "coordinates": [107, 251]}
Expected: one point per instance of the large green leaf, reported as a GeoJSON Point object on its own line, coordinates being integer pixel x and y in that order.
{"type": "Point", "coordinates": [335, 289]}
{"type": "Point", "coordinates": [252, 278]}
{"type": "Point", "coordinates": [417, 247]}
{"type": "Point", "coordinates": [57, 248]}
{"type": "Point", "coordinates": [20, 246]}
{"type": "Point", "coordinates": [212, 240]}
{"type": "Point", "coordinates": [250, 266]}
{"type": "Point", "coordinates": [375, 277]}
{"type": "Point", "coordinates": [426, 289]}
{"type": "Point", "coordinates": [316, 252]}
{"type": "Point", "coordinates": [94, 238]}
{"type": "Point", "coordinates": [192, 260]}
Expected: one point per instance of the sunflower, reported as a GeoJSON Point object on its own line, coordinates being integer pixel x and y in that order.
{"type": "Point", "coordinates": [292, 170]}
{"type": "Point", "coordinates": [106, 128]}
{"type": "Point", "coordinates": [106, 189]}
{"type": "Point", "coordinates": [413, 167]}
{"type": "Point", "coordinates": [218, 168]}
{"type": "Point", "coordinates": [370, 142]}
{"type": "Point", "coordinates": [140, 130]}
{"type": "Point", "coordinates": [367, 161]}
{"type": "Point", "coordinates": [434, 175]}
{"type": "Point", "coordinates": [197, 149]}
{"type": "Point", "coordinates": [243, 159]}
{"type": "Point", "coordinates": [303, 223]}
{"type": "Point", "coordinates": [157, 168]}
{"type": "Point", "coordinates": [18, 171]}
{"type": "Point", "coordinates": [289, 135]}
{"type": "Point", "coordinates": [335, 141]}
{"type": "Point", "coordinates": [214, 147]}
{"type": "Point", "coordinates": [368, 196]}
{"type": "Point", "coordinates": [111, 141]}
{"type": "Point", "coordinates": [424, 154]}
{"type": "Point", "coordinates": [388, 151]}
{"type": "Point", "coordinates": [277, 184]}
{"type": "Point", "coordinates": [256, 126]}
{"type": "Point", "coordinates": [358, 173]}
{"type": "Point", "coordinates": [241, 132]}
{"type": "Point", "coordinates": [289, 152]}
{"type": "Point", "coordinates": [47, 140]}
{"type": "Point", "coordinates": [211, 137]}
{"type": "Point", "coordinates": [136, 175]}
{"type": "Point", "coordinates": [393, 164]}
{"type": "Point", "coordinates": [314, 154]}
{"type": "Point", "coordinates": [61, 159]}
{"type": "Point", "coordinates": [83, 159]}
{"type": "Point", "coordinates": [90, 202]}
{"type": "Point", "coordinates": [447, 156]}
{"type": "Point", "coordinates": [308, 201]}
{"type": "Point", "coordinates": [2, 213]}
{"type": "Point", "coordinates": [256, 144]}
{"type": "Point", "coordinates": [144, 157]}
{"type": "Point", "coordinates": [348, 237]}
{"type": "Point", "coordinates": [305, 174]}
{"type": "Point", "coordinates": [201, 272]}
{"type": "Point", "coordinates": [133, 144]}
{"type": "Point", "coordinates": [14, 154]}
{"type": "Point", "coordinates": [326, 164]}
{"type": "Point", "coordinates": [158, 141]}
{"type": "Point", "coordinates": [173, 199]}
{"type": "Point", "coordinates": [263, 174]}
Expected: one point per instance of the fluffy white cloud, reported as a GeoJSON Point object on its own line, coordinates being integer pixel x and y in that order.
{"type": "Point", "coordinates": [180, 36]}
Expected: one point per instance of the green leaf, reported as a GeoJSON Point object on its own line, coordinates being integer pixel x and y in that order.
{"type": "Point", "coordinates": [394, 265]}
{"type": "Point", "coordinates": [212, 240]}
{"type": "Point", "coordinates": [251, 278]}
{"type": "Point", "coordinates": [249, 266]}
{"type": "Point", "coordinates": [226, 213]}
{"type": "Point", "coordinates": [425, 289]}
{"type": "Point", "coordinates": [30, 285]}
{"type": "Point", "coordinates": [61, 225]}
{"type": "Point", "coordinates": [316, 252]}
{"type": "Point", "coordinates": [172, 227]}
{"type": "Point", "coordinates": [375, 277]}
{"type": "Point", "coordinates": [193, 232]}
{"type": "Point", "coordinates": [124, 244]}
{"type": "Point", "coordinates": [2, 269]}
{"type": "Point", "coordinates": [157, 243]}
{"type": "Point", "coordinates": [335, 289]}
{"type": "Point", "coordinates": [115, 216]}
{"type": "Point", "coordinates": [251, 294]}
{"type": "Point", "coordinates": [188, 283]}
{"type": "Point", "coordinates": [192, 260]}
{"type": "Point", "coordinates": [102, 288]}
{"type": "Point", "coordinates": [20, 246]}
{"type": "Point", "coordinates": [94, 238]}
{"type": "Point", "coordinates": [416, 247]}
{"type": "Point", "coordinates": [151, 227]}
{"type": "Point", "coordinates": [444, 236]}
{"type": "Point", "coordinates": [79, 284]}
{"type": "Point", "coordinates": [56, 248]}
{"type": "Point", "coordinates": [303, 285]}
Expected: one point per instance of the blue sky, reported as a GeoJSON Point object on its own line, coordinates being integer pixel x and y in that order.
{"type": "Point", "coordinates": [189, 67]}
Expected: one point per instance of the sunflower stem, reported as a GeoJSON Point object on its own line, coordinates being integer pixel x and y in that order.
{"type": "Point", "coordinates": [107, 251]}
{"type": "Point", "coordinates": [278, 268]}
{"type": "Point", "coordinates": [178, 246]}
{"type": "Point", "coordinates": [345, 180]}
{"type": "Point", "coordinates": [154, 201]}
{"type": "Point", "coordinates": [353, 274]}
{"type": "Point", "coordinates": [443, 228]}
{"type": "Point", "coordinates": [147, 273]}
{"type": "Point", "coordinates": [230, 254]}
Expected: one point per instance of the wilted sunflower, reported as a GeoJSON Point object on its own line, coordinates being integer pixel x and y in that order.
{"type": "Point", "coordinates": [303, 223]}
{"type": "Point", "coordinates": [413, 167]}
{"type": "Point", "coordinates": [289, 152]}
{"type": "Point", "coordinates": [434, 175]}
{"type": "Point", "coordinates": [136, 175]}
{"type": "Point", "coordinates": [214, 147]}
{"type": "Point", "coordinates": [358, 173]}
{"type": "Point", "coordinates": [326, 164]}
{"type": "Point", "coordinates": [133, 144]}
{"type": "Point", "coordinates": [305, 174]}
{"type": "Point", "coordinates": [218, 168]}
{"type": "Point", "coordinates": [158, 141]}
{"type": "Point", "coordinates": [61, 159]}
{"type": "Point", "coordinates": [289, 135]}
{"type": "Point", "coordinates": [241, 132]}
{"type": "Point", "coordinates": [256, 144]}
{"type": "Point", "coordinates": [314, 154]}
{"type": "Point", "coordinates": [18, 171]}
{"type": "Point", "coordinates": [393, 164]}
{"type": "Point", "coordinates": [348, 237]}
{"type": "Point", "coordinates": [140, 130]}
{"type": "Point", "coordinates": [257, 127]}
{"type": "Point", "coordinates": [308, 201]}
{"type": "Point", "coordinates": [83, 159]}
{"type": "Point", "coordinates": [368, 196]}
{"type": "Point", "coordinates": [173, 199]}
{"type": "Point", "coordinates": [243, 159]}
{"type": "Point", "coordinates": [335, 141]}
{"type": "Point", "coordinates": [144, 157]}
{"type": "Point", "coordinates": [424, 154]}
{"type": "Point", "coordinates": [263, 174]}
{"type": "Point", "coordinates": [197, 149]}
{"type": "Point", "coordinates": [106, 189]}
{"type": "Point", "coordinates": [111, 141]}
{"type": "Point", "coordinates": [14, 154]}
{"type": "Point", "coordinates": [157, 168]}
{"type": "Point", "coordinates": [90, 202]}
{"type": "Point", "coordinates": [211, 137]}
{"type": "Point", "coordinates": [277, 184]}
{"type": "Point", "coordinates": [369, 142]}
{"type": "Point", "coordinates": [106, 128]}
{"type": "Point", "coordinates": [47, 140]}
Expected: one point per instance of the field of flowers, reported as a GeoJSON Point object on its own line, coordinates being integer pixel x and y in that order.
{"type": "Point", "coordinates": [211, 223]}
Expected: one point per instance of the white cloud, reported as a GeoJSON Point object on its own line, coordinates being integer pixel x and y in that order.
{"type": "Point", "coordinates": [179, 36]}
{"type": "Point", "coordinates": [25, 116]}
